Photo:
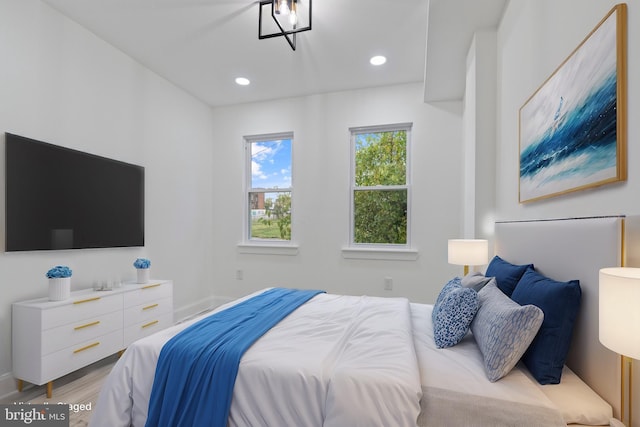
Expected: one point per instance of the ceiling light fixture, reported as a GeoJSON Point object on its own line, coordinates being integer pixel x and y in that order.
{"type": "Point", "coordinates": [378, 60]}
{"type": "Point", "coordinates": [289, 18]}
{"type": "Point", "coordinates": [242, 81]}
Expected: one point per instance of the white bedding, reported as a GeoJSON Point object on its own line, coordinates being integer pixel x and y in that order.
{"type": "Point", "coordinates": [359, 361]}
{"type": "Point", "coordinates": [351, 363]}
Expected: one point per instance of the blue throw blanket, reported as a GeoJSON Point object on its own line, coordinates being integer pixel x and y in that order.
{"type": "Point", "coordinates": [197, 368]}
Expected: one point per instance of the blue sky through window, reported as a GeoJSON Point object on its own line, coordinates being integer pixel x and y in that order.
{"type": "Point", "coordinates": [271, 164]}
{"type": "Point", "coordinates": [362, 140]}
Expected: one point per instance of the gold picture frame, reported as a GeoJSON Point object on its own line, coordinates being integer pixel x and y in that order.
{"type": "Point", "coordinates": [573, 129]}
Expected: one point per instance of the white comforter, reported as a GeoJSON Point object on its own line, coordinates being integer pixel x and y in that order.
{"type": "Point", "coordinates": [335, 361]}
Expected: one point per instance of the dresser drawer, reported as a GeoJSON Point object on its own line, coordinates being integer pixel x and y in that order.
{"type": "Point", "coordinates": [79, 331]}
{"type": "Point", "coordinates": [60, 363]}
{"type": "Point", "coordinates": [148, 327]}
{"type": "Point", "coordinates": [148, 293]}
{"type": "Point", "coordinates": [147, 311]}
{"type": "Point", "coordinates": [80, 308]}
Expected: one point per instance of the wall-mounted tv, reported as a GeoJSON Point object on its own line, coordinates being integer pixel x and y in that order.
{"type": "Point", "coordinates": [59, 198]}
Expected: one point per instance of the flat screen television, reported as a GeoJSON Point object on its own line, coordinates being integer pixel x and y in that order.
{"type": "Point", "coordinates": [59, 198]}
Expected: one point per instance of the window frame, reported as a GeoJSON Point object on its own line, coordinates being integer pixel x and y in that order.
{"type": "Point", "coordinates": [379, 250]}
{"type": "Point", "coordinates": [268, 246]}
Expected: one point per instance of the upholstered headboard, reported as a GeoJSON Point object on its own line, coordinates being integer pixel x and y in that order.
{"type": "Point", "coordinates": [567, 249]}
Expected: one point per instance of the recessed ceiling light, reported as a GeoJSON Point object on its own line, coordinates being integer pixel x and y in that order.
{"type": "Point", "coordinates": [378, 60]}
{"type": "Point", "coordinates": [242, 81]}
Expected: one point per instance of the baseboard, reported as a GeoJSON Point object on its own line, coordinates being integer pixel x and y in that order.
{"type": "Point", "coordinates": [8, 387]}
{"type": "Point", "coordinates": [189, 311]}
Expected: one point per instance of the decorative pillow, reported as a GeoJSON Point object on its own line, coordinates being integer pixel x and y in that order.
{"type": "Point", "coordinates": [503, 330]}
{"type": "Point", "coordinates": [448, 287]}
{"type": "Point", "coordinates": [507, 275]}
{"type": "Point", "coordinates": [455, 313]}
{"type": "Point", "coordinates": [475, 281]}
{"type": "Point", "coordinates": [560, 302]}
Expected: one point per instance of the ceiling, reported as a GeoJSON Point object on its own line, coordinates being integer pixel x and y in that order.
{"type": "Point", "coordinates": [203, 45]}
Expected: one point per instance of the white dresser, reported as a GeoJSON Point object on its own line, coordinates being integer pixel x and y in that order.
{"type": "Point", "coordinates": [53, 338]}
{"type": "Point", "coordinates": [146, 310]}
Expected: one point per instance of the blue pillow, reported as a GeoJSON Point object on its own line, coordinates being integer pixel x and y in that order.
{"type": "Point", "coordinates": [560, 302]}
{"type": "Point", "coordinates": [503, 330]}
{"type": "Point", "coordinates": [507, 275]}
{"type": "Point", "coordinates": [453, 318]}
{"type": "Point", "coordinates": [448, 287]}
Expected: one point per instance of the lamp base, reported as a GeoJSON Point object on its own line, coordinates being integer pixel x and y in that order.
{"type": "Point", "coordinates": [626, 390]}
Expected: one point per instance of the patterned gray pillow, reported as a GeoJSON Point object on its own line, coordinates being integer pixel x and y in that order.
{"type": "Point", "coordinates": [475, 281]}
{"type": "Point", "coordinates": [503, 330]}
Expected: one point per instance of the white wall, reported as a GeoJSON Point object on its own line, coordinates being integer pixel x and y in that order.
{"type": "Point", "coordinates": [320, 124]}
{"type": "Point", "coordinates": [534, 38]}
{"type": "Point", "coordinates": [61, 84]}
{"type": "Point", "coordinates": [479, 122]}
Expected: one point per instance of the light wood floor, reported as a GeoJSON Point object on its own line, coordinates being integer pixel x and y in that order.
{"type": "Point", "coordinates": [77, 388]}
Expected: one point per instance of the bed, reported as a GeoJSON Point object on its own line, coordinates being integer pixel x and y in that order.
{"type": "Point", "coordinates": [343, 360]}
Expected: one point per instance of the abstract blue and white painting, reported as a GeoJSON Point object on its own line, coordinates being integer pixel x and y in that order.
{"type": "Point", "coordinates": [568, 128]}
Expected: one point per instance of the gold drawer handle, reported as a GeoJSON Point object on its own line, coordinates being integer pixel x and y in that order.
{"type": "Point", "coordinates": [87, 300]}
{"type": "Point", "coordinates": [150, 324]}
{"type": "Point", "coordinates": [149, 307]}
{"type": "Point", "coordinates": [77, 328]}
{"type": "Point", "coordinates": [86, 347]}
{"type": "Point", "coordinates": [151, 286]}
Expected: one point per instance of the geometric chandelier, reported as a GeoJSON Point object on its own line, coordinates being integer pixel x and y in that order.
{"type": "Point", "coordinates": [288, 17]}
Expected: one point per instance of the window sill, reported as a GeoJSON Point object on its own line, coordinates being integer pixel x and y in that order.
{"type": "Point", "coordinates": [267, 249]}
{"type": "Point", "coordinates": [380, 254]}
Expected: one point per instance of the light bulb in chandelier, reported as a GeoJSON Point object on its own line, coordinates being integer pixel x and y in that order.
{"type": "Point", "coordinates": [282, 7]}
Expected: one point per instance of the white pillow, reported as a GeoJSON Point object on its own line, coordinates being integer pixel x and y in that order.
{"type": "Point", "coordinates": [577, 402]}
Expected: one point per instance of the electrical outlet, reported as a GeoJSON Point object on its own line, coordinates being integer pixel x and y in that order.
{"type": "Point", "coordinates": [239, 274]}
{"type": "Point", "coordinates": [388, 284]}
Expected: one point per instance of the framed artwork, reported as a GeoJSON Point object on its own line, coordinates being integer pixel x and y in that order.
{"type": "Point", "coordinates": [573, 128]}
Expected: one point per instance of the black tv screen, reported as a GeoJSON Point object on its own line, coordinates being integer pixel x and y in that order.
{"type": "Point", "coordinates": [59, 198]}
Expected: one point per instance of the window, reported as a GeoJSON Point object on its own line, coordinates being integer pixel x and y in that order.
{"type": "Point", "coordinates": [380, 187]}
{"type": "Point", "coordinates": [269, 189]}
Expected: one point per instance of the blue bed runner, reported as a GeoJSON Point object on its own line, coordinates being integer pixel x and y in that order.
{"type": "Point", "coordinates": [197, 368]}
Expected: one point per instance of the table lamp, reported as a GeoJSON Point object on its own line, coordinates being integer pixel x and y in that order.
{"type": "Point", "coordinates": [619, 321]}
{"type": "Point", "coordinates": [468, 252]}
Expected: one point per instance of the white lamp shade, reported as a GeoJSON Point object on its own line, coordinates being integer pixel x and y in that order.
{"type": "Point", "coordinates": [620, 310]}
{"type": "Point", "coordinates": [468, 251]}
